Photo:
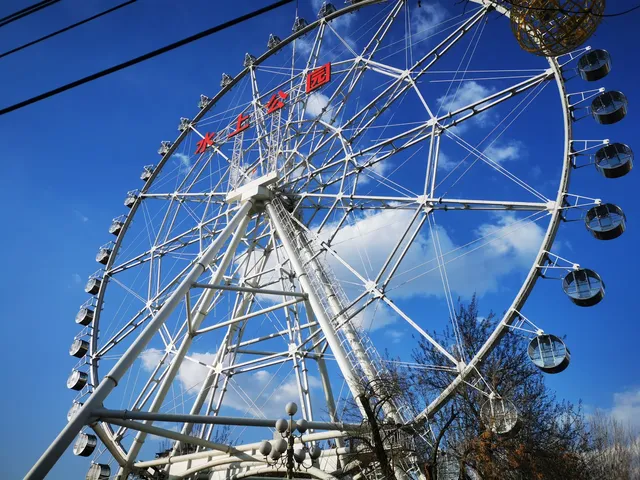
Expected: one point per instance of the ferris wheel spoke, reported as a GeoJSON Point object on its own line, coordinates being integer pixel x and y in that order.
{"type": "Point", "coordinates": [460, 115]}
{"type": "Point", "coordinates": [417, 327]}
{"type": "Point", "coordinates": [435, 239]}
{"type": "Point", "coordinates": [215, 148]}
{"type": "Point", "coordinates": [496, 166]}
{"type": "Point", "coordinates": [424, 64]}
{"type": "Point", "coordinates": [399, 243]}
{"type": "Point", "coordinates": [368, 114]}
{"type": "Point", "coordinates": [462, 204]}
{"type": "Point", "coordinates": [464, 250]}
{"type": "Point", "coordinates": [179, 241]}
{"type": "Point", "coordinates": [259, 116]}
{"type": "Point", "coordinates": [141, 317]}
{"type": "Point", "coordinates": [351, 79]}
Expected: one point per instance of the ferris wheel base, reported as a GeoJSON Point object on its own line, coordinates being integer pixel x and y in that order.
{"type": "Point", "coordinates": [230, 468]}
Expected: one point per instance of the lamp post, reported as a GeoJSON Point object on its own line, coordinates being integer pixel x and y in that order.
{"type": "Point", "coordinates": [294, 459]}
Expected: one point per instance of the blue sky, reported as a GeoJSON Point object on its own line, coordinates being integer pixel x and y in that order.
{"type": "Point", "coordinates": [70, 160]}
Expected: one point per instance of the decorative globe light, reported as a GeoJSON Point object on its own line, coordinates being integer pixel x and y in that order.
{"type": "Point", "coordinates": [299, 455]}
{"type": "Point", "coordinates": [280, 445]}
{"type": "Point", "coordinates": [554, 27]}
{"type": "Point", "coordinates": [302, 425]}
{"type": "Point", "coordinates": [315, 452]}
{"type": "Point", "coordinates": [291, 408]}
{"type": "Point", "coordinates": [265, 448]}
{"type": "Point", "coordinates": [282, 425]}
{"type": "Point", "coordinates": [274, 454]}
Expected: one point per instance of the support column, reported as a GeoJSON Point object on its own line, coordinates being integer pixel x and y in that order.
{"type": "Point", "coordinates": [198, 314]}
{"type": "Point", "coordinates": [44, 464]}
{"type": "Point", "coordinates": [318, 311]}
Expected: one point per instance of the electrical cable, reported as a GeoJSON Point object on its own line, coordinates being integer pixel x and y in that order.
{"type": "Point", "coordinates": [26, 9]}
{"type": "Point", "coordinates": [65, 29]}
{"type": "Point", "coordinates": [142, 58]}
{"type": "Point", "coordinates": [25, 12]}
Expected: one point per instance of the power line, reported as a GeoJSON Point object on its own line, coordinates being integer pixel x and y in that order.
{"type": "Point", "coordinates": [65, 29]}
{"type": "Point", "coordinates": [25, 12]}
{"type": "Point", "coordinates": [144, 57]}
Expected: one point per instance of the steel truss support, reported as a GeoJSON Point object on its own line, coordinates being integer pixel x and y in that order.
{"type": "Point", "coordinates": [109, 415]}
{"type": "Point", "coordinates": [198, 314]}
{"type": "Point", "coordinates": [257, 291]}
{"type": "Point", "coordinates": [285, 229]}
{"type": "Point", "coordinates": [314, 301]}
{"type": "Point", "coordinates": [44, 464]}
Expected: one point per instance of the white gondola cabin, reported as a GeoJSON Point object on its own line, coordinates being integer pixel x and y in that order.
{"type": "Point", "coordinates": [549, 353]}
{"type": "Point", "coordinates": [606, 221]}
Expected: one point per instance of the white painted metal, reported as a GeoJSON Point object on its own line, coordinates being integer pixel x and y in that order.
{"type": "Point", "coordinates": [66, 436]}
{"type": "Point", "coordinates": [279, 255]}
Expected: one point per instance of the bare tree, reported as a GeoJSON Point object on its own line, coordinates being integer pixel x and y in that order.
{"type": "Point", "coordinates": [614, 452]}
{"type": "Point", "coordinates": [553, 441]}
{"type": "Point", "coordinates": [552, 434]}
{"type": "Point", "coordinates": [383, 443]}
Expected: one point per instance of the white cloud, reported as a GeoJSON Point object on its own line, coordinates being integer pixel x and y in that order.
{"type": "Point", "coordinates": [80, 216]}
{"type": "Point", "coordinates": [378, 170]}
{"type": "Point", "coordinates": [366, 243]}
{"type": "Point", "coordinates": [500, 153]}
{"type": "Point", "coordinates": [150, 358]}
{"type": "Point", "coordinates": [626, 407]}
{"type": "Point", "coordinates": [259, 394]}
{"type": "Point", "coordinates": [183, 161]}
{"type": "Point", "coordinates": [317, 106]}
{"type": "Point", "coordinates": [303, 46]}
{"type": "Point", "coordinates": [445, 162]}
{"type": "Point", "coordinates": [191, 373]}
{"type": "Point", "coordinates": [395, 335]}
{"type": "Point", "coordinates": [467, 93]}
{"type": "Point", "coordinates": [524, 242]}
{"type": "Point", "coordinates": [425, 18]}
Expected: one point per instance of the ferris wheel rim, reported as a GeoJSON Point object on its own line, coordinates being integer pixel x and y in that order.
{"type": "Point", "coordinates": [167, 156]}
{"type": "Point", "coordinates": [531, 278]}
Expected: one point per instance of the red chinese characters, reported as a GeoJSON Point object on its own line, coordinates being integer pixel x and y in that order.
{"type": "Point", "coordinates": [276, 102]}
{"type": "Point", "coordinates": [318, 77]}
{"type": "Point", "coordinates": [207, 141]}
{"type": "Point", "coordinates": [241, 125]}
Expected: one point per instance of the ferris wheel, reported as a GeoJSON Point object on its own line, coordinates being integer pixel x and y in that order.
{"type": "Point", "coordinates": [358, 172]}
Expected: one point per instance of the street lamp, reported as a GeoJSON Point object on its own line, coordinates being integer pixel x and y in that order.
{"type": "Point", "coordinates": [293, 459]}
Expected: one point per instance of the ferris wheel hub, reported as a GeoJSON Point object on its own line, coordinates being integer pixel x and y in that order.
{"type": "Point", "coordinates": [254, 190]}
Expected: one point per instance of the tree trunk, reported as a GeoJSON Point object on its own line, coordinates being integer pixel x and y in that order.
{"type": "Point", "coordinates": [378, 445]}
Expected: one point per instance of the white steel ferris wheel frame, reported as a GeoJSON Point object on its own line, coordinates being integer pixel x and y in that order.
{"type": "Point", "coordinates": [259, 198]}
